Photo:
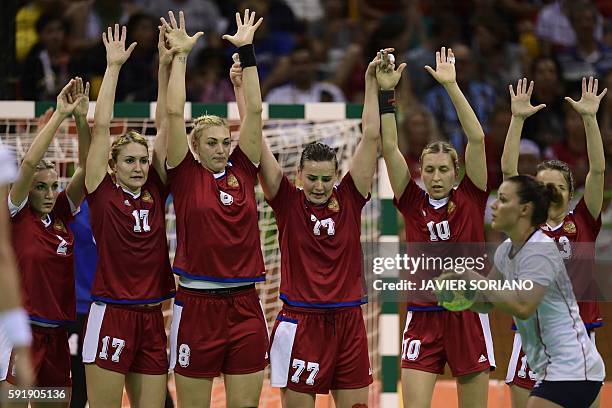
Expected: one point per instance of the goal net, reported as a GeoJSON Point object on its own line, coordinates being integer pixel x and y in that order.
{"type": "Point", "coordinates": [286, 139]}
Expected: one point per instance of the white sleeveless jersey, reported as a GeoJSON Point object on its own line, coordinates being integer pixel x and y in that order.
{"type": "Point", "coordinates": [8, 168]}
{"type": "Point", "coordinates": [554, 337]}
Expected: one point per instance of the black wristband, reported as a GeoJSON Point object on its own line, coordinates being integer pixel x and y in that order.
{"type": "Point", "coordinates": [247, 56]}
{"type": "Point", "coordinates": [386, 101]}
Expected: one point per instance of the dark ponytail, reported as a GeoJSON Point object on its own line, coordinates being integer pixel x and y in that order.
{"type": "Point", "coordinates": [529, 190]}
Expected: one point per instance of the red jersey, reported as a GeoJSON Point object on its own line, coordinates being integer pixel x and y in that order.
{"type": "Point", "coordinates": [130, 233]}
{"type": "Point", "coordinates": [44, 251]}
{"type": "Point", "coordinates": [216, 221]}
{"type": "Point", "coordinates": [457, 218]}
{"type": "Point", "coordinates": [320, 245]}
{"type": "Point", "coordinates": [576, 237]}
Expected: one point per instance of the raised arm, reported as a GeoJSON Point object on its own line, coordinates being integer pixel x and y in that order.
{"type": "Point", "coordinates": [520, 103]}
{"type": "Point", "coordinates": [161, 118]}
{"type": "Point", "coordinates": [363, 162]}
{"type": "Point", "coordinates": [397, 168]}
{"type": "Point", "coordinates": [76, 188]}
{"type": "Point", "coordinates": [250, 129]}
{"type": "Point", "coordinates": [475, 158]}
{"type": "Point", "coordinates": [65, 107]}
{"type": "Point", "coordinates": [181, 44]}
{"type": "Point", "coordinates": [587, 107]}
{"type": "Point", "coordinates": [116, 55]}
{"type": "Point", "coordinates": [270, 173]}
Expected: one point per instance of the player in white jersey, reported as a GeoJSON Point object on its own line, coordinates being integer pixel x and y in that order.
{"type": "Point", "coordinates": [14, 325]}
{"type": "Point", "coordinates": [568, 368]}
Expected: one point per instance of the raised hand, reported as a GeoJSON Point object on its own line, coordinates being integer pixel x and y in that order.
{"type": "Point", "coordinates": [520, 101]}
{"type": "Point", "coordinates": [176, 34]}
{"type": "Point", "coordinates": [387, 76]}
{"type": "Point", "coordinates": [116, 54]}
{"type": "Point", "coordinates": [65, 102]}
{"type": "Point", "coordinates": [236, 72]}
{"type": "Point", "coordinates": [246, 29]}
{"type": "Point", "coordinates": [81, 93]}
{"type": "Point", "coordinates": [165, 53]}
{"type": "Point", "coordinates": [445, 67]}
{"type": "Point", "coordinates": [371, 70]}
{"type": "Point", "coordinates": [589, 101]}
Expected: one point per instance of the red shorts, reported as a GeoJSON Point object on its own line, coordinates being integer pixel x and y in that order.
{"type": "Point", "coordinates": [126, 338]}
{"type": "Point", "coordinates": [590, 314]}
{"type": "Point", "coordinates": [519, 373]}
{"type": "Point", "coordinates": [50, 358]}
{"type": "Point", "coordinates": [315, 350]}
{"type": "Point", "coordinates": [214, 333]}
{"type": "Point", "coordinates": [463, 339]}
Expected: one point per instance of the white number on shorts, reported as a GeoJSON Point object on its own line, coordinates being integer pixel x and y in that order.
{"type": "Point", "coordinates": [313, 368]}
{"type": "Point", "coordinates": [442, 229]}
{"type": "Point", "coordinates": [144, 216]}
{"type": "Point", "coordinates": [118, 345]}
{"type": "Point", "coordinates": [184, 353]}
{"type": "Point", "coordinates": [522, 372]}
{"type": "Point", "coordinates": [411, 349]}
{"type": "Point", "coordinates": [300, 365]}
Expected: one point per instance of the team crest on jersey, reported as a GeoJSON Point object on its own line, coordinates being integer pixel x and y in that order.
{"type": "Point", "coordinates": [59, 225]}
{"type": "Point", "coordinates": [232, 181]}
{"type": "Point", "coordinates": [333, 205]}
{"type": "Point", "coordinates": [451, 207]}
{"type": "Point", "coordinates": [146, 197]}
{"type": "Point", "coordinates": [226, 199]}
{"type": "Point", "coordinates": [569, 227]}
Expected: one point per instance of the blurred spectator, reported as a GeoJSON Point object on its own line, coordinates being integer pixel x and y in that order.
{"type": "Point", "coordinates": [208, 81]}
{"type": "Point", "coordinates": [307, 10]}
{"type": "Point", "coordinates": [25, 28]}
{"type": "Point", "coordinates": [47, 67]}
{"type": "Point", "coordinates": [203, 15]}
{"type": "Point", "coordinates": [138, 78]}
{"type": "Point", "coordinates": [572, 149]}
{"type": "Point", "coordinates": [529, 157]}
{"type": "Point", "coordinates": [303, 86]}
{"type": "Point", "coordinates": [589, 57]}
{"type": "Point", "coordinates": [500, 61]}
{"type": "Point", "coordinates": [546, 127]}
{"type": "Point", "coordinates": [376, 9]}
{"type": "Point", "coordinates": [499, 121]}
{"type": "Point", "coordinates": [272, 45]}
{"type": "Point", "coordinates": [417, 129]}
{"type": "Point", "coordinates": [332, 35]}
{"type": "Point", "coordinates": [480, 95]}
{"type": "Point", "coordinates": [553, 25]}
{"type": "Point", "coordinates": [445, 30]}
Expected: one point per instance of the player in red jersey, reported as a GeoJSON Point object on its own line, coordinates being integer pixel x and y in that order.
{"type": "Point", "coordinates": [43, 241]}
{"type": "Point", "coordinates": [433, 335]}
{"type": "Point", "coordinates": [574, 231]}
{"type": "Point", "coordinates": [218, 323]}
{"type": "Point", "coordinates": [322, 282]}
{"type": "Point", "coordinates": [125, 340]}
{"type": "Point", "coordinates": [12, 315]}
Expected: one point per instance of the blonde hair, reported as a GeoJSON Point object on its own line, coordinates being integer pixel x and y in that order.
{"type": "Point", "coordinates": [130, 137]}
{"type": "Point", "coordinates": [204, 122]}
{"type": "Point", "coordinates": [44, 164]}
{"type": "Point", "coordinates": [442, 147]}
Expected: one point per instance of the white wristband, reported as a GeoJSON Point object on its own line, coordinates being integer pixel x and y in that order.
{"type": "Point", "coordinates": [16, 325]}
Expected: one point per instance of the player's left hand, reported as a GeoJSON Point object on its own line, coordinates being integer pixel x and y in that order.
{"type": "Point", "coordinates": [65, 103]}
{"type": "Point", "coordinates": [165, 53]}
{"type": "Point", "coordinates": [245, 29]}
{"type": "Point", "coordinates": [445, 67]}
{"type": "Point", "coordinates": [176, 34]}
{"type": "Point", "coordinates": [236, 72]}
{"type": "Point", "coordinates": [80, 92]}
{"type": "Point", "coordinates": [588, 105]}
{"type": "Point", "coordinates": [386, 74]}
